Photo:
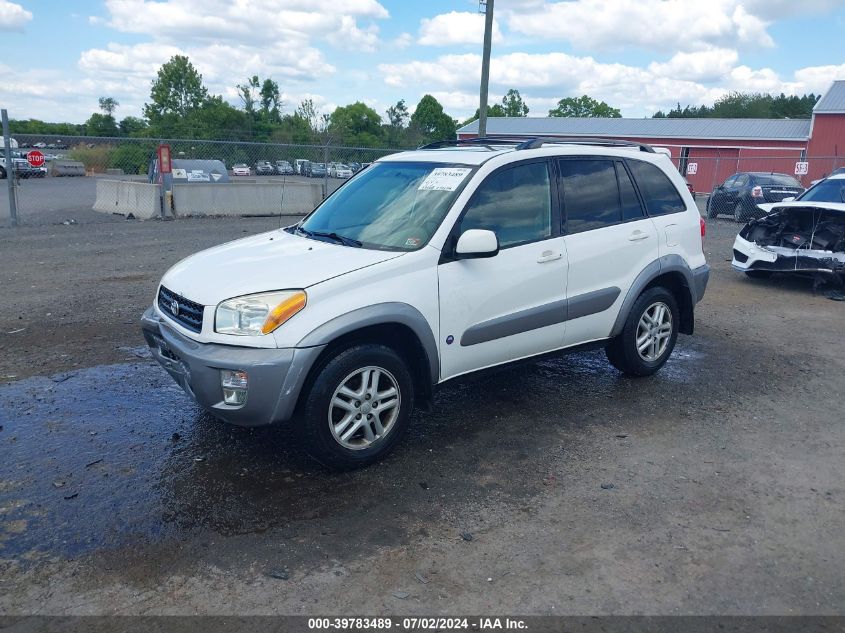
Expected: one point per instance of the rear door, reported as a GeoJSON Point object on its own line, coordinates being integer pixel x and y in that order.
{"type": "Point", "coordinates": [678, 232]}
{"type": "Point", "coordinates": [609, 240]}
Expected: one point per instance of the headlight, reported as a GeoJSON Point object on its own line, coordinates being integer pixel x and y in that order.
{"type": "Point", "coordinates": [258, 314]}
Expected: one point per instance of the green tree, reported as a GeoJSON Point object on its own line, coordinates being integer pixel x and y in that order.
{"type": "Point", "coordinates": [584, 106]}
{"type": "Point", "coordinates": [245, 92]}
{"type": "Point", "coordinates": [176, 91]}
{"type": "Point", "coordinates": [397, 115]}
{"type": "Point", "coordinates": [132, 126]}
{"type": "Point", "coordinates": [108, 105]}
{"type": "Point", "coordinates": [271, 102]}
{"type": "Point", "coordinates": [431, 121]}
{"type": "Point", "coordinates": [101, 125]}
{"type": "Point", "coordinates": [356, 124]}
{"type": "Point", "coordinates": [513, 105]}
{"type": "Point", "coordinates": [132, 158]}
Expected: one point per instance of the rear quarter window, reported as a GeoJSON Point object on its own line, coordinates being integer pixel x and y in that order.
{"type": "Point", "coordinates": [659, 194]}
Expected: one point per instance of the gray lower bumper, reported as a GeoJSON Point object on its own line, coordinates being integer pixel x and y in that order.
{"type": "Point", "coordinates": [700, 277]}
{"type": "Point", "coordinates": [276, 376]}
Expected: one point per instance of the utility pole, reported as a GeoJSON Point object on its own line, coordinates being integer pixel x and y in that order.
{"type": "Point", "coordinates": [487, 5]}
{"type": "Point", "coordinates": [10, 169]}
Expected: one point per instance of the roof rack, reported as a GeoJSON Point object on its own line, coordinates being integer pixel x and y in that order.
{"type": "Point", "coordinates": [535, 142]}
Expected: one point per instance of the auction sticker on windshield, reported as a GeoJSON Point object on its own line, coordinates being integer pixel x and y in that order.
{"type": "Point", "coordinates": [444, 179]}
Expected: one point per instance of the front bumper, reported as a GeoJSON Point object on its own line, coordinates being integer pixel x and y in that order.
{"type": "Point", "coordinates": [276, 376]}
{"type": "Point", "coordinates": [750, 256]}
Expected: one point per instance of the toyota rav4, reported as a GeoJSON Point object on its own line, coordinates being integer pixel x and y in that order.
{"type": "Point", "coordinates": [427, 265]}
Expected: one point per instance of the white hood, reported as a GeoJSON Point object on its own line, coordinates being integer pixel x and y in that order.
{"type": "Point", "coordinates": [806, 204]}
{"type": "Point", "coordinates": [270, 261]}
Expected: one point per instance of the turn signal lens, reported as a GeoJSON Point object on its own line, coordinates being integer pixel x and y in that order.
{"type": "Point", "coordinates": [284, 311]}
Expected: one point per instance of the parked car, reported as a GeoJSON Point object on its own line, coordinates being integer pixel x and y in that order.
{"type": "Point", "coordinates": [434, 265]}
{"type": "Point", "coordinates": [316, 170]}
{"type": "Point", "coordinates": [797, 237]}
{"type": "Point", "coordinates": [355, 167]}
{"type": "Point", "coordinates": [340, 170]}
{"type": "Point", "coordinates": [283, 167]}
{"type": "Point", "coordinates": [264, 168]}
{"type": "Point", "coordinates": [241, 169]}
{"type": "Point", "coordinates": [299, 165]}
{"type": "Point", "coordinates": [830, 189]}
{"type": "Point", "coordinates": [740, 194]}
{"type": "Point", "coordinates": [21, 167]}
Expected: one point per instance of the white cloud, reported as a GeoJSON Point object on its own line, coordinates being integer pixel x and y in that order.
{"type": "Point", "coordinates": [707, 65]}
{"type": "Point", "coordinates": [544, 78]}
{"type": "Point", "coordinates": [456, 27]}
{"type": "Point", "coordinates": [13, 16]}
{"type": "Point", "coordinates": [678, 25]}
{"type": "Point", "coordinates": [404, 40]}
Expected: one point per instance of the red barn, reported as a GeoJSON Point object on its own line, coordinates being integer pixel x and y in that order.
{"type": "Point", "coordinates": [710, 150]}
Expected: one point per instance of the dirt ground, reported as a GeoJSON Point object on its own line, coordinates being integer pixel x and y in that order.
{"type": "Point", "coordinates": [715, 487]}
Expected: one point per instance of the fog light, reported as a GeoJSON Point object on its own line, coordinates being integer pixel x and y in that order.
{"type": "Point", "coordinates": [235, 384]}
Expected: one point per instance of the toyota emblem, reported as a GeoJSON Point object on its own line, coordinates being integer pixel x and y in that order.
{"type": "Point", "coordinates": [174, 307]}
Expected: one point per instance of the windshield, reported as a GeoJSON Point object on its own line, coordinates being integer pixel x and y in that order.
{"type": "Point", "coordinates": [391, 206]}
{"type": "Point", "coordinates": [832, 190]}
{"type": "Point", "coordinates": [776, 179]}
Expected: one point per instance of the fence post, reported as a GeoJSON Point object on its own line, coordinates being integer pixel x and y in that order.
{"type": "Point", "coordinates": [326, 174]}
{"type": "Point", "coordinates": [10, 169]}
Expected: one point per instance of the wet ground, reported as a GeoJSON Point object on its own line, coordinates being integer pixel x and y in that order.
{"type": "Point", "coordinates": [556, 487]}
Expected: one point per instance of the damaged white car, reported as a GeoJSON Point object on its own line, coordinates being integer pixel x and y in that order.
{"type": "Point", "coordinates": [802, 236]}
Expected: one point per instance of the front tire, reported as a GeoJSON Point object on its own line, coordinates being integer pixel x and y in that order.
{"type": "Point", "coordinates": [648, 336]}
{"type": "Point", "coordinates": [357, 408]}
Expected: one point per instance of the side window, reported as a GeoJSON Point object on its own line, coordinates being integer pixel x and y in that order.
{"type": "Point", "coordinates": [659, 194]}
{"type": "Point", "coordinates": [631, 208]}
{"type": "Point", "coordinates": [590, 194]}
{"type": "Point", "coordinates": [515, 203]}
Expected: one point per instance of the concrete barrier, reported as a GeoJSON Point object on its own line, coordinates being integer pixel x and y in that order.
{"type": "Point", "coordinates": [61, 167]}
{"type": "Point", "coordinates": [246, 198]}
{"type": "Point", "coordinates": [125, 197]}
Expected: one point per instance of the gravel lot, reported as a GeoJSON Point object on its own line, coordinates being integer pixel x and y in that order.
{"type": "Point", "coordinates": [118, 496]}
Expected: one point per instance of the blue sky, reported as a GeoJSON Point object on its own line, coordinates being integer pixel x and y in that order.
{"type": "Point", "coordinates": [57, 57]}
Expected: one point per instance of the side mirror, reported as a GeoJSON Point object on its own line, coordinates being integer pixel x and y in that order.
{"type": "Point", "coordinates": [477, 244]}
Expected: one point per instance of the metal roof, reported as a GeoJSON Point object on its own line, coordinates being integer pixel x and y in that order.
{"type": "Point", "coordinates": [727, 129]}
{"type": "Point", "coordinates": [833, 100]}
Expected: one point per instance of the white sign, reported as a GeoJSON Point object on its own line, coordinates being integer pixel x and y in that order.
{"type": "Point", "coordinates": [802, 168]}
{"type": "Point", "coordinates": [444, 179]}
{"type": "Point", "coordinates": [197, 175]}
{"type": "Point", "coordinates": [692, 169]}
{"type": "Point", "coordinates": [179, 173]}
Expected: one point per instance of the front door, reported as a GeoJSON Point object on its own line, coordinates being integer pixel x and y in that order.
{"type": "Point", "coordinates": [512, 305]}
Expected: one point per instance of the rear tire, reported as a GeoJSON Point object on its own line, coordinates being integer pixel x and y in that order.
{"type": "Point", "coordinates": [759, 274]}
{"type": "Point", "coordinates": [357, 408]}
{"type": "Point", "coordinates": [648, 336]}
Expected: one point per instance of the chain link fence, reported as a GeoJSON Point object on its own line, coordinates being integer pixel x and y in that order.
{"type": "Point", "coordinates": [100, 179]}
{"type": "Point", "coordinates": [97, 179]}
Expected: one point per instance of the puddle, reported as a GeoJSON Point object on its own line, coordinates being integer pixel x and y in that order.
{"type": "Point", "coordinates": [100, 457]}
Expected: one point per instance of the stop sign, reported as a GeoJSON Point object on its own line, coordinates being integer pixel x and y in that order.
{"type": "Point", "coordinates": [35, 158]}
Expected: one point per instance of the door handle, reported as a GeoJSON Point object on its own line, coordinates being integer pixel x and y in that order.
{"type": "Point", "coordinates": [548, 256]}
{"type": "Point", "coordinates": [637, 235]}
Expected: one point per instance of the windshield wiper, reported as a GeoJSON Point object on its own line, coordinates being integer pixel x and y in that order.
{"type": "Point", "coordinates": [340, 239]}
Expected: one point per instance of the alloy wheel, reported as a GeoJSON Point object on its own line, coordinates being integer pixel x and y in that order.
{"type": "Point", "coordinates": [654, 331]}
{"type": "Point", "coordinates": [364, 408]}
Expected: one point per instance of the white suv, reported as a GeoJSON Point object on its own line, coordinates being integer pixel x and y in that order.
{"type": "Point", "coordinates": [427, 265]}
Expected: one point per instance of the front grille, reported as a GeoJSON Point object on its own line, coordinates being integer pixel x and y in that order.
{"type": "Point", "coordinates": [185, 312]}
{"type": "Point", "coordinates": [740, 257]}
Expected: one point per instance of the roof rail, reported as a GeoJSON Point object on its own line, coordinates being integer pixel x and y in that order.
{"type": "Point", "coordinates": [534, 142]}
{"type": "Point", "coordinates": [484, 141]}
